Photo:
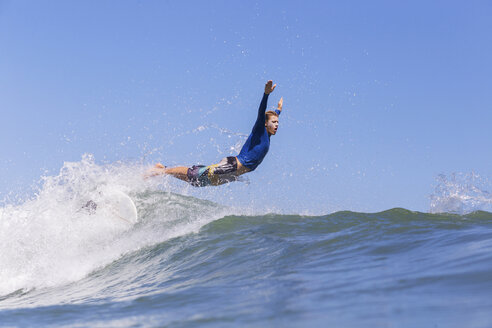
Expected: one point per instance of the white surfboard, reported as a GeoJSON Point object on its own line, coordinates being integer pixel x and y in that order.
{"type": "Point", "coordinates": [112, 203]}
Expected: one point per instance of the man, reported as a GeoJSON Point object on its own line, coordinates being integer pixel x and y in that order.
{"type": "Point", "coordinates": [230, 168]}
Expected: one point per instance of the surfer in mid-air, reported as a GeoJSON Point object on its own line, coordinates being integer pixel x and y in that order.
{"type": "Point", "coordinates": [230, 168]}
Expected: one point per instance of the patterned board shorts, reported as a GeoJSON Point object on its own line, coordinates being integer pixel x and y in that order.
{"type": "Point", "coordinates": [213, 175]}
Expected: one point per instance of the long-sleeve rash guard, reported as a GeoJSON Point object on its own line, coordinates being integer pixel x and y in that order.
{"type": "Point", "coordinates": [258, 143]}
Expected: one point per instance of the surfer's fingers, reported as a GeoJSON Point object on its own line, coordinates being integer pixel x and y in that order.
{"type": "Point", "coordinates": [269, 88]}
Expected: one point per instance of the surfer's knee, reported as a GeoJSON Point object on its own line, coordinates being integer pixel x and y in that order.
{"type": "Point", "coordinates": [179, 172]}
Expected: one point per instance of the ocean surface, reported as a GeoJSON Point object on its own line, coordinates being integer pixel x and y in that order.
{"type": "Point", "coordinates": [190, 262]}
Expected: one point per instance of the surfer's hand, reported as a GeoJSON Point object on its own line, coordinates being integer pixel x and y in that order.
{"type": "Point", "coordinates": [280, 103]}
{"type": "Point", "coordinates": [269, 88]}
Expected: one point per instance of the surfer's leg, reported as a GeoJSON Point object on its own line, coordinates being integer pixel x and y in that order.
{"type": "Point", "coordinates": [179, 172]}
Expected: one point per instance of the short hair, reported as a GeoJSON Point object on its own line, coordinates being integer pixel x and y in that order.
{"type": "Point", "coordinates": [269, 114]}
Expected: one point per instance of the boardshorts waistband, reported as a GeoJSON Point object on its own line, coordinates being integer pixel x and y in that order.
{"type": "Point", "coordinates": [213, 175]}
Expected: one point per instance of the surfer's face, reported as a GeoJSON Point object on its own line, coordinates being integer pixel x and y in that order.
{"type": "Point", "coordinates": [272, 124]}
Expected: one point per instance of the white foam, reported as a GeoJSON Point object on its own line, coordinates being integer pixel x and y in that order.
{"type": "Point", "coordinates": [49, 240]}
{"type": "Point", "coordinates": [461, 193]}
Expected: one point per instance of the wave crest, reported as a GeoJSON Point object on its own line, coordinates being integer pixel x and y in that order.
{"type": "Point", "coordinates": [461, 193]}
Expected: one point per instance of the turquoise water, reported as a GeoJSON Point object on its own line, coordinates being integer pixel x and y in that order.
{"type": "Point", "coordinates": [190, 262]}
{"type": "Point", "coordinates": [391, 269]}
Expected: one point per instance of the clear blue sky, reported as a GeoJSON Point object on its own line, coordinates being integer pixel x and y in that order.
{"type": "Point", "coordinates": [379, 96]}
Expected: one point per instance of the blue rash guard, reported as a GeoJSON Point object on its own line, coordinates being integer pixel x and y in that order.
{"type": "Point", "coordinates": [258, 143]}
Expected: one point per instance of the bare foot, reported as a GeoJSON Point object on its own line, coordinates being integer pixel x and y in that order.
{"type": "Point", "coordinates": [158, 169]}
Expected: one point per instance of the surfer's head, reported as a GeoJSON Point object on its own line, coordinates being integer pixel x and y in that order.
{"type": "Point", "coordinates": [271, 122]}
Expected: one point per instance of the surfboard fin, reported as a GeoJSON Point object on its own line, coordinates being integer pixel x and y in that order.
{"type": "Point", "coordinates": [90, 207]}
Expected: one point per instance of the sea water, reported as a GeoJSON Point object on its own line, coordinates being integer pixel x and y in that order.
{"type": "Point", "coordinates": [190, 262]}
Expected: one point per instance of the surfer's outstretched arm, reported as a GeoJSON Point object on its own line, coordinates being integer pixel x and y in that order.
{"type": "Point", "coordinates": [280, 104]}
{"type": "Point", "coordinates": [260, 120]}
